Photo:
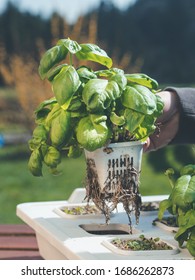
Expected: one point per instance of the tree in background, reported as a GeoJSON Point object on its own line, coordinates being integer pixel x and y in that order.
{"type": "Point", "coordinates": [160, 31]}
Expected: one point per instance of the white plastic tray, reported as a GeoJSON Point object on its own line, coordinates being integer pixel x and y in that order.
{"type": "Point", "coordinates": [61, 238]}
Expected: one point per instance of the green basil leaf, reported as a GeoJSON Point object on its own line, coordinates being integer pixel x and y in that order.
{"type": "Point", "coordinates": [109, 73]}
{"type": "Point", "coordinates": [160, 106]}
{"type": "Point", "coordinates": [35, 163]}
{"type": "Point", "coordinates": [117, 120]}
{"type": "Point", "coordinates": [92, 136]}
{"type": "Point", "coordinates": [181, 237]}
{"type": "Point", "coordinates": [43, 148]}
{"type": "Point", "coordinates": [133, 119]}
{"type": "Point", "coordinates": [106, 73]}
{"type": "Point", "coordinates": [191, 243]}
{"type": "Point", "coordinates": [54, 71]}
{"type": "Point", "coordinates": [96, 119]}
{"type": "Point", "coordinates": [55, 111]}
{"type": "Point", "coordinates": [164, 205]}
{"type": "Point", "coordinates": [181, 193]}
{"type": "Point", "coordinates": [190, 192]}
{"type": "Point", "coordinates": [61, 132]}
{"type": "Point", "coordinates": [188, 170]}
{"type": "Point", "coordinates": [94, 95]}
{"type": "Point", "coordinates": [65, 84]}
{"type": "Point", "coordinates": [72, 46]}
{"type": "Point", "coordinates": [99, 93]}
{"type": "Point", "coordinates": [140, 99]}
{"type": "Point", "coordinates": [94, 53]}
{"type": "Point", "coordinates": [142, 79]}
{"type": "Point", "coordinates": [52, 157]}
{"type": "Point", "coordinates": [113, 90]}
{"type": "Point", "coordinates": [40, 133]}
{"type": "Point", "coordinates": [186, 221]}
{"type": "Point", "coordinates": [146, 128]}
{"type": "Point", "coordinates": [50, 58]}
{"type": "Point", "coordinates": [120, 79]}
{"type": "Point", "coordinates": [86, 73]}
{"type": "Point", "coordinates": [114, 74]}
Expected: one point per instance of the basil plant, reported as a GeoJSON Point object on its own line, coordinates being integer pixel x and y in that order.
{"type": "Point", "coordinates": [89, 109]}
{"type": "Point", "coordinates": [181, 203]}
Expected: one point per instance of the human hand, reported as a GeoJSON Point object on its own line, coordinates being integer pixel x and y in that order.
{"type": "Point", "coordinates": [168, 122]}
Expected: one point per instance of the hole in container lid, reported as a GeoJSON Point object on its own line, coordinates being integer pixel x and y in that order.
{"type": "Point", "coordinates": [106, 229]}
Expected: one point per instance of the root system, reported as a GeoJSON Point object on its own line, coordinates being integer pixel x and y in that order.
{"type": "Point", "coordinates": [121, 186]}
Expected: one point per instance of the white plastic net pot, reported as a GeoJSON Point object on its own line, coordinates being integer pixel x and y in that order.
{"type": "Point", "coordinates": [114, 162]}
{"type": "Point", "coordinates": [113, 177]}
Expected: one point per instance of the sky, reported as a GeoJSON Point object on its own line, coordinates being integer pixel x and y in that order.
{"type": "Point", "coordinates": [70, 9]}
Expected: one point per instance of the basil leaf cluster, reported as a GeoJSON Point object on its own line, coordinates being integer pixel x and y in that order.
{"type": "Point", "coordinates": [89, 109]}
{"type": "Point", "coordinates": [181, 203]}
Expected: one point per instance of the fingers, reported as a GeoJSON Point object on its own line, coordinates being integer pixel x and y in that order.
{"type": "Point", "coordinates": [150, 145]}
{"type": "Point", "coordinates": [146, 146]}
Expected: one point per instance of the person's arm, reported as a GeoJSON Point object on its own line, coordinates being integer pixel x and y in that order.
{"type": "Point", "coordinates": [177, 123]}
{"type": "Point", "coordinates": [186, 130]}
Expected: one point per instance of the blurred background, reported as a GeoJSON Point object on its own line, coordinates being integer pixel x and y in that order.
{"type": "Point", "coordinates": [156, 37]}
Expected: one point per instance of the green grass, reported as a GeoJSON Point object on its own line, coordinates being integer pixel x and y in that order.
{"type": "Point", "coordinates": [19, 186]}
